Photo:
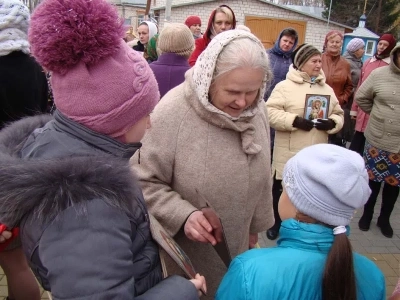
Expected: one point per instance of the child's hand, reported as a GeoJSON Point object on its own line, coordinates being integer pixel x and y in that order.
{"type": "Point", "coordinates": [5, 235]}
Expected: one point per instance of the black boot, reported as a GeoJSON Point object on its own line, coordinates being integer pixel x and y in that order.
{"type": "Point", "coordinates": [385, 227]}
{"type": "Point", "coordinates": [389, 197]}
{"type": "Point", "coordinates": [365, 220]}
{"type": "Point", "coordinates": [273, 232]}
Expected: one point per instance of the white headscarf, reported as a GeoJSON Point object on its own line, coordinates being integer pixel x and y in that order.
{"type": "Point", "coordinates": [152, 28]}
{"type": "Point", "coordinates": [206, 63]}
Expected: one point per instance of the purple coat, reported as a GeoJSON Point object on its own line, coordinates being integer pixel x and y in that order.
{"type": "Point", "coordinates": [169, 70]}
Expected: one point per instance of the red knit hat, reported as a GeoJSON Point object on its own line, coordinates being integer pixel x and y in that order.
{"type": "Point", "coordinates": [192, 20]}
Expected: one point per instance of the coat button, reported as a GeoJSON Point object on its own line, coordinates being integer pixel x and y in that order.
{"type": "Point", "coordinates": [390, 121]}
{"type": "Point", "coordinates": [392, 106]}
{"type": "Point", "coordinates": [388, 134]}
{"type": "Point", "coordinates": [394, 92]}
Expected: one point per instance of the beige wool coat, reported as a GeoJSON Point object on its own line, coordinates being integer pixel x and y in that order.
{"type": "Point", "coordinates": [286, 102]}
{"type": "Point", "coordinates": [193, 146]}
{"type": "Point", "coordinates": [379, 96]}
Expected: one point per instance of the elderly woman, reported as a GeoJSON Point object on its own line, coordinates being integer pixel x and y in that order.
{"type": "Point", "coordinates": [289, 115]}
{"type": "Point", "coordinates": [211, 135]}
{"type": "Point", "coordinates": [381, 58]}
{"type": "Point", "coordinates": [379, 97]}
{"type": "Point", "coordinates": [338, 76]}
{"type": "Point", "coordinates": [221, 19]}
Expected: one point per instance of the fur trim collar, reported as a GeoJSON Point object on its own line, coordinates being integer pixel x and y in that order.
{"type": "Point", "coordinates": [48, 186]}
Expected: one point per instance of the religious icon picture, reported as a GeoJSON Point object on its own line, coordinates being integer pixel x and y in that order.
{"type": "Point", "coordinates": [170, 246]}
{"type": "Point", "coordinates": [316, 107]}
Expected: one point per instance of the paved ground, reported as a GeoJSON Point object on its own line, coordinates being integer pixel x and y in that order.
{"type": "Point", "coordinates": [381, 250]}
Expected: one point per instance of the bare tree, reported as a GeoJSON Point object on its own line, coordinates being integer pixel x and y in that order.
{"type": "Point", "coordinates": [31, 4]}
{"type": "Point", "coordinates": [315, 3]}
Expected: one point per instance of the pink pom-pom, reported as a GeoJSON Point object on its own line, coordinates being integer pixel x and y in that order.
{"type": "Point", "coordinates": [64, 33]}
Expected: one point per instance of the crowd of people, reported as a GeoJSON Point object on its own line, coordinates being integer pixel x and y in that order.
{"type": "Point", "coordinates": [156, 122]}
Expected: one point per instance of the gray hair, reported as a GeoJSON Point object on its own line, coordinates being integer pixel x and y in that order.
{"type": "Point", "coordinates": [241, 53]}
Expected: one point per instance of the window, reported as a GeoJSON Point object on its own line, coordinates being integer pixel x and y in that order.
{"type": "Point", "coordinates": [140, 19]}
{"type": "Point", "coordinates": [127, 21]}
{"type": "Point", "coordinates": [370, 48]}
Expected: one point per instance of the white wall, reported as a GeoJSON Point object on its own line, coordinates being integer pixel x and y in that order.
{"type": "Point", "coordinates": [315, 31]}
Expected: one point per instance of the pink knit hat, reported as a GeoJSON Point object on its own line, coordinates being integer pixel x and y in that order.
{"type": "Point", "coordinates": [97, 80]}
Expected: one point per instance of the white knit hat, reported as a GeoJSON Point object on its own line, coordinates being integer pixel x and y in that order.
{"type": "Point", "coordinates": [14, 14]}
{"type": "Point", "coordinates": [14, 23]}
{"type": "Point", "coordinates": [176, 38]}
{"type": "Point", "coordinates": [327, 183]}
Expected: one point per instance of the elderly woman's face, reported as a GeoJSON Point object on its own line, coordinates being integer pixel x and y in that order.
{"type": "Point", "coordinates": [236, 90]}
{"type": "Point", "coordinates": [334, 45]}
{"type": "Point", "coordinates": [312, 66]}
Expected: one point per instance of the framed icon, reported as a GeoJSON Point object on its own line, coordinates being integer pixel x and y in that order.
{"type": "Point", "coordinates": [316, 106]}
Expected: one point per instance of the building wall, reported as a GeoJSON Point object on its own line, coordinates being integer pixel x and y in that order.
{"type": "Point", "coordinates": [131, 14]}
{"type": "Point", "coordinates": [315, 29]}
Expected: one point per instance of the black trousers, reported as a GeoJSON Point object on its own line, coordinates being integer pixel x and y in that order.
{"type": "Point", "coordinates": [389, 198]}
{"type": "Point", "coordinates": [358, 142]}
{"type": "Point", "coordinates": [276, 194]}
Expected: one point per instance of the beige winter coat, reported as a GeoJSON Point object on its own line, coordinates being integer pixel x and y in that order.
{"type": "Point", "coordinates": [379, 96]}
{"type": "Point", "coordinates": [193, 145]}
{"type": "Point", "coordinates": [288, 101]}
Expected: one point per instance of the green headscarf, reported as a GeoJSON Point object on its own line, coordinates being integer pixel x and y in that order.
{"type": "Point", "coordinates": [151, 50]}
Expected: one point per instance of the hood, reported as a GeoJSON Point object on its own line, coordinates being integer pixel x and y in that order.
{"type": "Point", "coordinates": [208, 33]}
{"type": "Point", "coordinates": [205, 66]}
{"type": "Point", "coordinates": [45, 187]}
{"type": "Point", "coordinates": [395, 68]}
{"type": "Point", "coordinates": [302, 77]}
{"type": "Point", "coordinates": [152, 28]}
{"type": "Point", "coordinates": [277, 50]}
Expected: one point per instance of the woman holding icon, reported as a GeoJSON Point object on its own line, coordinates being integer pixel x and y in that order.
{"type": "Point", "coordinates": [289, 108]}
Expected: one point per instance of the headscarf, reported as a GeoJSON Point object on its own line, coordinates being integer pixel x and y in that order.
{"type": "Point", "coordinates": [151, 50]}
{"type": "Point", "coordinates": [152, 28]}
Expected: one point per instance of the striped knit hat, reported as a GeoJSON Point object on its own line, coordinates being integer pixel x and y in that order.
{"type": "Point", "coordinates": [303, 54]}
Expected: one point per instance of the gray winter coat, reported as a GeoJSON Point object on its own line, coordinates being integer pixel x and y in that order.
{"type": "Point", "coordinates": [84, 225]}
{"type": "Point", "coordinates": [355, 67]}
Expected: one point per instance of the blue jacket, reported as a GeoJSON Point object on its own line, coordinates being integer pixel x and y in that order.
{"type": "Point", "coordinates": [279, 62]}
{"type": "Point", "coordinates": [294, 269]}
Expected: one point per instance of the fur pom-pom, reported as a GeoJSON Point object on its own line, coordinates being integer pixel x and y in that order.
{"type": "Point", "coordinates": [64, 33]}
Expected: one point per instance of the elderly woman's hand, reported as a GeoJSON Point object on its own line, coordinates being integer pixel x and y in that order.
{"type": "Point", "coordinates": [197, 228]}
{"type": "Point", "coordinates": [325, 124]}
{"type": "Point", "coordinates": [303, 124]}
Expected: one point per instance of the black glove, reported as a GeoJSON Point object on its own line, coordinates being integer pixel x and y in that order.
{"type": "Point", "coordinates": [325, 124]}
{"type": "Point", "coordinates": [303, 124]}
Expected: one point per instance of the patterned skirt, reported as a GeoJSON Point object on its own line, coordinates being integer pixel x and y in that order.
{"type": "Point", "coordinates": [382, 166]}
